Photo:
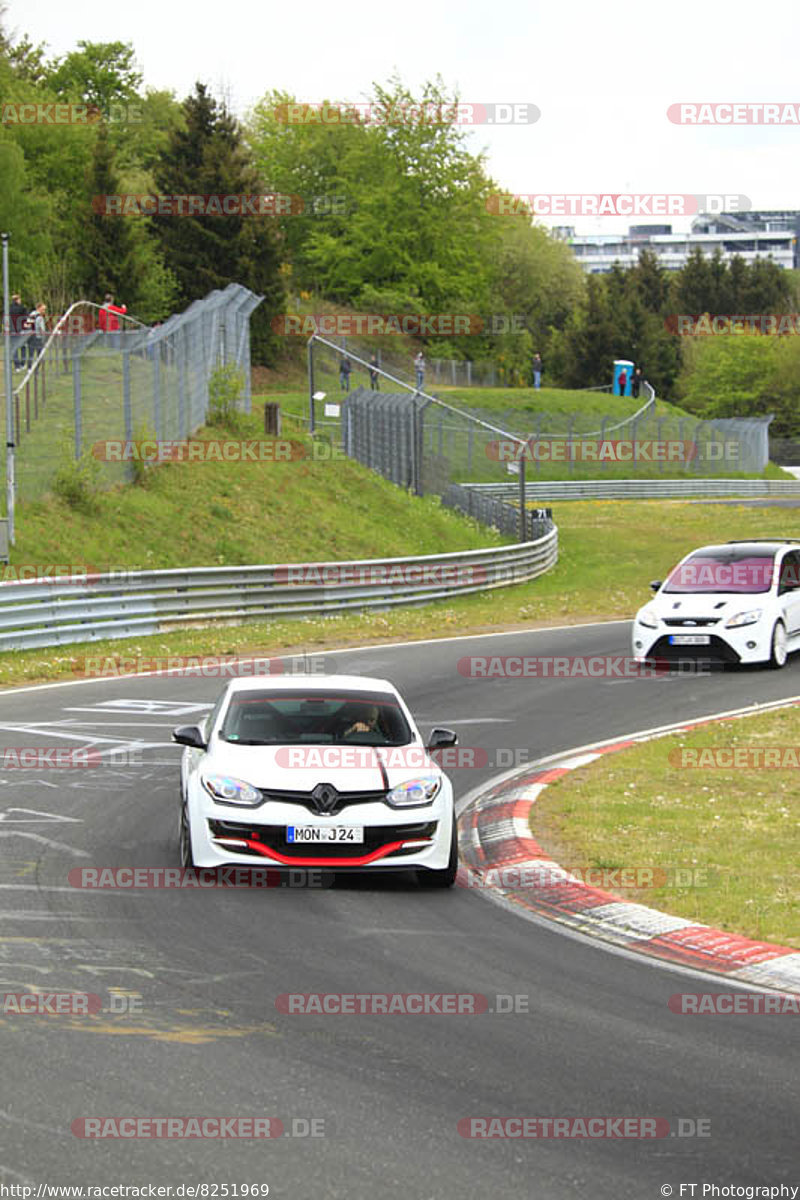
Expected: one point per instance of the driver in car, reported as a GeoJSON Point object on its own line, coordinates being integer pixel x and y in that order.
{"type": "Point", "coordinates": [366, 721]}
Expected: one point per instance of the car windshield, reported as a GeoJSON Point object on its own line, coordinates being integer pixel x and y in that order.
{"type": "Point", "coordinates": [714, 571]}
{"type": "Point", "coordinates": [291, 718]}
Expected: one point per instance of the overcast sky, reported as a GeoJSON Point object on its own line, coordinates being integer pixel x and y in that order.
{"type": "Point", "coordinates": [603, 76]}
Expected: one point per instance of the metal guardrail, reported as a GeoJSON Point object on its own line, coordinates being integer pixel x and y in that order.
{"type": "Point", "coordinates": [68, 610]}
{"type": "Point", "coordinates": [543, 491]}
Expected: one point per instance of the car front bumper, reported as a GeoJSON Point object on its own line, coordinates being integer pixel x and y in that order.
{"type": "Point", "coordinates": [744, 644]}
{"type": "Point", "coordinates": [397, 839]}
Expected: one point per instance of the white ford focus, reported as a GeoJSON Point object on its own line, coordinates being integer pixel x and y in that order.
{"type": "Point", "coordinates": [307, 771]}
{"type": "Point", "coordinates": [738, 602]}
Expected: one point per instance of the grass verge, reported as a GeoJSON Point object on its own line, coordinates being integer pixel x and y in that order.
{"type": "Point", "coordinates": [727, 837]}
{"type": "Point", "coordinates": [609, 550]}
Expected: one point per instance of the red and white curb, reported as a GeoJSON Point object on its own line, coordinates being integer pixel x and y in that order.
{"type": "Point", "coordinates": [495, 840]}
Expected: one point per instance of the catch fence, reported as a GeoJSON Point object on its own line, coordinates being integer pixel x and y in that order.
{"type": "Point", "coordinates": [86, 389]}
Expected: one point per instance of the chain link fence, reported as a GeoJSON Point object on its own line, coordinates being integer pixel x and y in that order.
{"type": "Point", "coordinates": [416, 439]}
{"type": "Point", "coordinates": [86, 391]}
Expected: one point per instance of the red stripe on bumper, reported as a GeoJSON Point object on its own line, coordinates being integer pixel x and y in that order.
{"type": "Point", "coordinates": [293, 861]}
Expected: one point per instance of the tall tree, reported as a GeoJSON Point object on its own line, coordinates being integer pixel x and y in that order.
{"type": "Point", "coordinates": [211, 250]}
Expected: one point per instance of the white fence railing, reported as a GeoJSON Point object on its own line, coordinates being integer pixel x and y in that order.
{"type": "Point", "coordinates": [66, 610]}
{"type": "Point", "coordinates": [544, 491]}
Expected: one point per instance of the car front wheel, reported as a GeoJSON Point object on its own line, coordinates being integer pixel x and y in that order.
{"type": "Point", "coordinates": [778, 652]}
{"type": "Point", "coordinates": [185, 841]}
{"type": "Point", "coordinates": [447, 876]}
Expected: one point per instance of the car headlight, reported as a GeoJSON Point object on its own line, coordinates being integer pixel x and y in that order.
{"type": "Point", "coordinates": [226, 790]}
{"type": "Point", "coordinates": [648, 618]}
{"type": "Point", "coordinates": [415, 791]}
{"type": "Point", "coordinates": [744, 618]}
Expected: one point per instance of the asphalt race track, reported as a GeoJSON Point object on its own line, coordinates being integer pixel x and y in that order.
{"type": "Point", "coordinates": [388, 1091]}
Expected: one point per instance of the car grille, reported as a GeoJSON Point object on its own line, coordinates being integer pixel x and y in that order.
{"type": "Point", "coordinates": [307, 800]}
{"type": "Point", "coordinates": [699, 622]}
{"type": "Point", "coordinates": [273, 837]}
{"type": "Point", "coordinates": [717, 650]}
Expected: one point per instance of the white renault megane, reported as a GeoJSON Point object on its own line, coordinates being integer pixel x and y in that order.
{"type": "Point", "coordinates": [733, 603]}
{"type": "Point", "coordinates": [309, 771]}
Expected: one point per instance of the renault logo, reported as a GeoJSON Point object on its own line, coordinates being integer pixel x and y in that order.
{"type": "Point", "coordinates": [325, 797]}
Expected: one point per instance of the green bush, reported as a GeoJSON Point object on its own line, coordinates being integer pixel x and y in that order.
{"type": "Point", "coordinates": [225, 388]}
{"type": "Point", "coordinates": [76, 481]}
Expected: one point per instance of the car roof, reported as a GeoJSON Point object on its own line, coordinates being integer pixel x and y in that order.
{"type": "Point", "coordinates": [307, 683]}
{"type": "Point", "coordinates": [756, 544]}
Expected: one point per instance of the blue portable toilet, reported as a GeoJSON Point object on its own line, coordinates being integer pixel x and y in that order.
{"type": "Point", "coordinates": [620, 365]}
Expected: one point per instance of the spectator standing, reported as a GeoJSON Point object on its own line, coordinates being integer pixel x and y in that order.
{"type": "Point", "coordinates": [18, 315]}
{"type": "Point", "coordinates": [623, 381]}
{"type": "Point", "coordinates": [108, 319]}
{"type": "Point", "coordinates": [373, 373]}
{"type": "Point", "coordinates": [345, 367]}
{"type": "Point", "coordinates": [39, 325]}
{"type": "Point", "coordinates": [636, 382]}
{"type": "Point", "coordinates": [538, 367]}
{"type": "Point", "coordinates": [419, 367]}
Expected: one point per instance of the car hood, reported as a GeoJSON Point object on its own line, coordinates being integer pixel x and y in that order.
{"type": "Point", "coordinates": [300, 768]}
{"type": "Point", "coordinates": [698, 604]}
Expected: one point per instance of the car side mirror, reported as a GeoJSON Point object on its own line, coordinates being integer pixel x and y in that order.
{"type": "Point", "coordinates": [655, 584]}
{"type": "Point", "coordinates": [189, 735]}
{"type": "Point", "coordinates": [440, 738]}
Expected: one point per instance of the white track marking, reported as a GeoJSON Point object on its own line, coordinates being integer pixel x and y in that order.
{"type": "Point", "coordinates": [34, 817]}
{"type": "Point", "coordinates": [43, 841]}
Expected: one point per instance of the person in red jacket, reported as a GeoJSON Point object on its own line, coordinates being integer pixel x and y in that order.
{"type": "Point", "coordinates": [108, 318]}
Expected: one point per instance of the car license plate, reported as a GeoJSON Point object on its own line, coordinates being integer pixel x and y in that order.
{"type": "Point", "coordinates": [352, 834]}
{"type": "Point", "coordinates": [690, 639]}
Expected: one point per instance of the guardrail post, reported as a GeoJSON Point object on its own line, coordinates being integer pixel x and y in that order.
{"type": "Point", "coordinates": [522, 509]}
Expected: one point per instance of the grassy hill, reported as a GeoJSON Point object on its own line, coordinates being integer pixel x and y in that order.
{"type": "Point", "coordinates": [228, 513]}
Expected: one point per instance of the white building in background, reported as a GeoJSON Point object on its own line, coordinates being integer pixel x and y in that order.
{"type": "Point", "coordinates": [751, 235]}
